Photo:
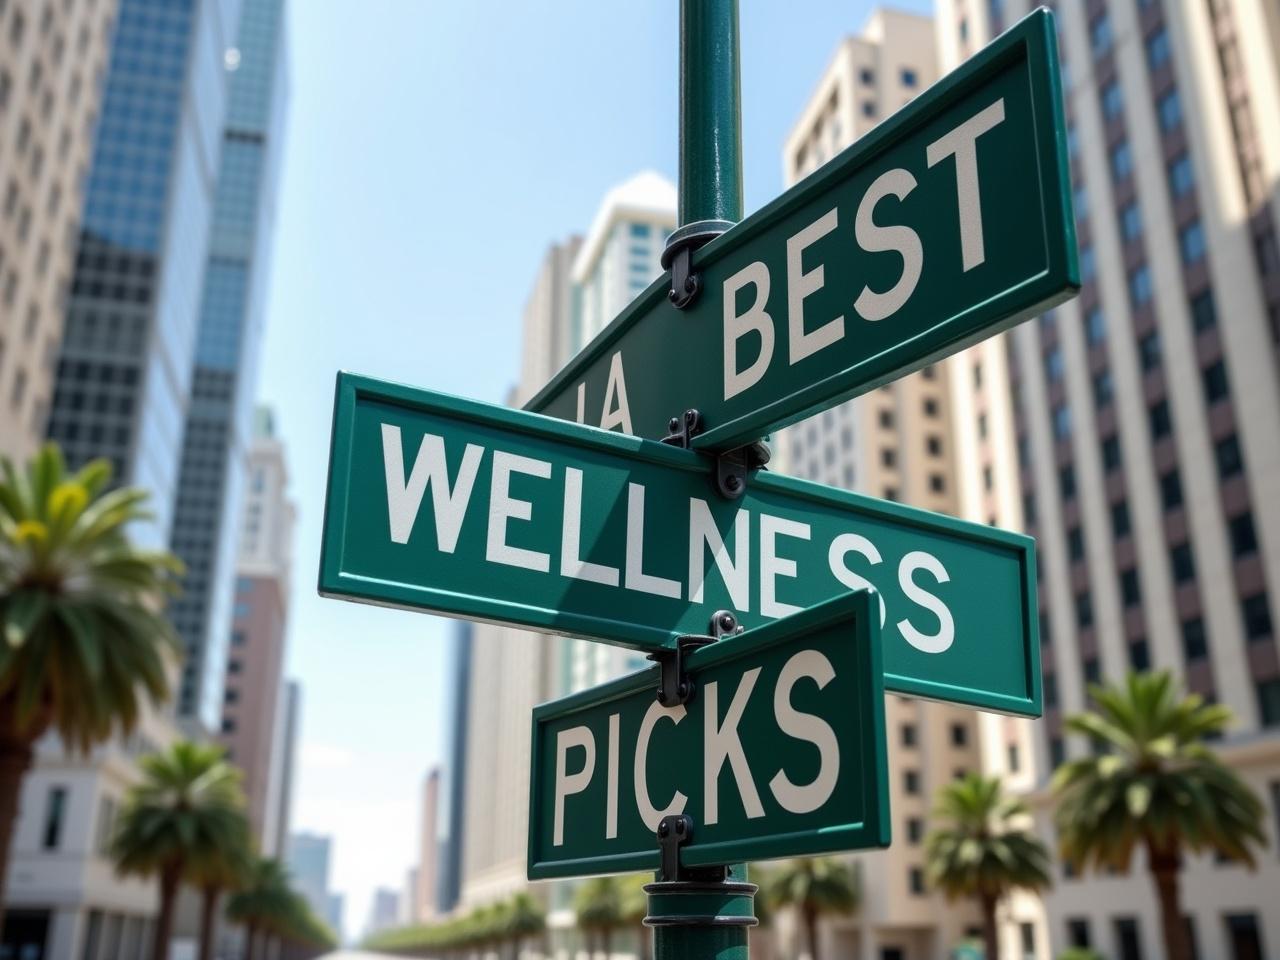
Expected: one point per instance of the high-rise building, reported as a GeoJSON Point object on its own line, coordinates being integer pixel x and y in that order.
{"type": "Point", "coordinates": [1151, 503]}
{"type": "Point", "coordinates": [384, 912]}
{"type": "Point", "coordinates": [276, 828]}
{"type": "Point", "coordinates": [896, 442]}
{"type": "Point", "coordinates": [254, 666]}
{"type": "Point", "coordinates": [308, 862]}
{"type": "Point", "coordinates": [422, 906]}
{"type": "Point", "coordinates": [218, 424]}
{"type": "Point", "coordinates": [126, 362]}
{"type": "Point", "coordinates": [454, 793]}
{"type": "Point", "coordinates": [52, 59]}
{"type": "Point", "coordinates": [547, 323]}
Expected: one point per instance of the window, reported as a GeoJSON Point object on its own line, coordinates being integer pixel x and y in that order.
{"type": "Point", "coordinates": [1183, 563]}
{"type": "Point", "coordinates": [1226, 453]}
{"type": "Point", "coordinates": [1169, 110]}
{"type": "Point", "coordinates": [931, 408]}
{"type": "Point", "coordinates": [1214, 379]}
{"type": "Point", "coordinates": [1149, 351]}
{"type": "Point", "coordinates": [915, 879]}
{"type": "Point", "coordinates": [1112, 101]}
{"type": "Point", "coordinates": [1130, 590]}
{"type": "Point", "coordinates": [1111, 453]}
{"type": "Point", "coordinates": [886, 419]}
{"type": "Point", "coordinates": [1067, 482]}
{"type": "Point", "coordinates": [868, 108]}
{"type": "Point", "coordinates": [937, 483]}
{"type": "Point", "coordinates": [867, 76]}
{"type": "Point", "coordinates": [1084, 610]}
{"type": "Point", "coordinates": [1127, 938]}
{"type": "Point", "coordinates": [1121, 161]}
{"type": "Point", "coordinates": [1075, 543]}
{"type": "Point", "coordinates": [908, 734]}
{"type": "Point", "coordinates": [911, 782]}
{"type": "Point", "coordinates": [1139, 656]}
{"type": "Point", "coordinates": [1181, 177]}
{"type": "Point", "coordinates": [1131, 221]}
{"type": "Point", "coordinates": [1028, 935]}
{"type": "Point", "coordinates": [888, 457]}
{"type": "Point", "coordinates": [1195, 641]}
{"type": "Point", "coordinates": [1050, 689]}
{"type": "Point", "coordinates": [1160, 420]}
{"type": "Point", "coordinates": [1095, 324]}
{"type": "Point", "coordinates": [1092, 670]}
{"type": "Point", "coordinates": [1088, 264]}
{"type": "Point", "coordinates": [934, 445]}
{"type": "Point", "coordinates": [55, 814]}
{"type": "Point", "coordinates": [915, 830]}
{"type": "Point", "coordinates": [106, 825]}
{"type": "Point", "coordinates": [1080, 201]}
{"type": "Point", "coordinates": [909, 77]}
{"type": "Point", "coordinates": [1100, 34]}
{"type": "Point", "coordinates": [640, 230]}
{"type": "Point", "coordinates": [1121, 526]}
{"type": "Point", "coordinates": [1078, 932]}
{"type": "Point", "coordinates": [1191, 242]}
{"type": "Point", "coordinates": [1244, 936]}
{"type": "Point", "coordinates": [1057, 751]}
{"type": "Point", "coordinates": [1157, 49]}
{"type": "Point", "coordinates": [1257, 617]}
{"type": "Point", "coordinates": [982, 425]}
{"type": "Point", "coordinates": [959, 735]}
{"type": "Point", "coordinates": [1053, 364]}
{"type": "Point", "coordinates": [1171, 490]}
{"type": "Point", "coordinates": [1140, 289]}
{"type": "Point", "coordinates": [1014, 759]}
{"type": "Point", "coordinates": [1062, 421]}
{"type": "Point", "coordinates": [1204, 313]}
{"type": "Point", "coordinates": [1244, 539]}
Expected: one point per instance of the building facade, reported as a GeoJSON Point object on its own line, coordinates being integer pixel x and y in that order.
{"type": "Point", "coordinates": [219, 418]}
{"type": "Point", "coordinates": [1134, 428]}
{"type": "Point", "coordinates": [421, 907]}
{"type": "Point", "coordinates": [255, 664]}
{"type": "Point", "coordinates": [53, 58]}
{"type": "Point", "coordinates": [453, 816]}
{"type": "Point", "coordinates": [897, 442]}
{"type": "Point", "coordinates": [307, 858]}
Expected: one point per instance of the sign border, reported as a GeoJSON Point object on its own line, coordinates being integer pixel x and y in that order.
{"type": "Point", "coordinates": [1034, 39]}
{"type": "Point", "coordinates": [332, 582]}
{"type": "Point", "coordinates": [873, 832]}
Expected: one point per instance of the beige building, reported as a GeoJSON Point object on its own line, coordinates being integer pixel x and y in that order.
{"type": "Point", "coordinates": [1134, 430]}
{"type": "Point", "coordinates": [52, 60]}
{"type": "Point", "coordinates": [897, 442]}
{"type": "Point", "coordinates": [422, 905]}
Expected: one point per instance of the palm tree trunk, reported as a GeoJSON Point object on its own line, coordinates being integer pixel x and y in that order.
{"type": "Point", "coordinates": [250, 935]}
{"type": "Point", "coordinates": [644, 950]}
{"type": "Point", "coordinates": [990, 936]}
{"type": "Point", "coordinates": [170, 878]}
{"type": "Point", "coordinates": [1165, 866]}
{"type": "Point", "coordinates": [604, 941]}
{"type": "Point", "coordinates": [15, 761]}
{"type": "Point", "coordinates": [208, 917]}
{"type": "Point", "coordinates": [811, 931]}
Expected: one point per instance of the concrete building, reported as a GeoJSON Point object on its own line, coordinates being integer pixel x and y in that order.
{"type": "Point", "coordinates": [1133, 430]}
{"type": "Point", "coordinates": [253, 683]}
{"type": "Point", "coordinates": [453, 817]}
{"type": "Point", "coordinates": [52, 60]}
{"type": "Point", "coordinates": [897, 442]}
{"type": "Point", "coordinates": [219, 419]}
{"type": "Point", "coordinates": [308, 861]}
{"type": "Point", "coordinates": [384, 913]}
{"type": "Point", "coordinates": [276, 828]}
{"type": "Point", "coordinates": [125, 367]}
{"type": "Point", "coordinates": [422, 905]}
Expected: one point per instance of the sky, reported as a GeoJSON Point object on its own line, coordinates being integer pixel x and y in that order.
{"type": "Point", "coordinates": [433, 151]}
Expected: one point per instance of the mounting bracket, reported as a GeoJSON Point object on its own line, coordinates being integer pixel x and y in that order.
{"type": "Point", "coordinates": [675, 686]}
{"type": "Point", "coordinates": [674, 832]}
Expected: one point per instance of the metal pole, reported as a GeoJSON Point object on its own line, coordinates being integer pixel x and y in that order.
{"type": "Point", "coordinates": [697, 920]}
{"type": "Point", "coordinates": [710, 189]}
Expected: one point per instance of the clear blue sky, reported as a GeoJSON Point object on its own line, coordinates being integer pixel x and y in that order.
{"type": "Point", "coordinates": [433, 151]}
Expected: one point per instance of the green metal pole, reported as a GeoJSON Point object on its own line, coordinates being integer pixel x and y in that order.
{"type": "Point", "coordinates": [695, 920]}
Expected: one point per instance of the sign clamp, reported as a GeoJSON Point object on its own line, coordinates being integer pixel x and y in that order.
{"type": "Point", "coordinates": [677, 256]}
{"type": "Point", "coordinates": [732, 467]}
{"type": "Point", "coordinates": [675, 686]}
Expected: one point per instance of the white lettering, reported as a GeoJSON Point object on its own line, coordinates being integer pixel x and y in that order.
{"type": "Point", "coordinates": [650, 815]}
{"type": "Point", "coordinates": [735, 570]}
{"type": "Point", "coordinates": [637, 579]}
{"type": "Point", "coordinates": [928, 643]}
{"type": "Point", "coordinates": [773, 566]}
{"type": "Point", "coordinates": [801, 285]}
{"type": "Point", "coordinates": [571, 564]}
{"type": "Point", "coordinates": [721, 743]}
{"type": "Point", "coordinates": [611, 784]}
{"type": "Point", "coordinates": [504, 507]}
{"type": "Point", "coordinates": [616, 412]}
{"type": "Point", "coordinates": [875, 239]}
{"type": "Point", "coordinates": [841, 547]}
{"type": "Point", "coordinates": [736, 327]}
{"type": "Point", "coordinates": [404, 498]}
{"type": "Point", "coordinates": [806, 726]}
{"type": "Point", "coordinates": [568, 784]}
{"type": "Point", "coordinates": [962, 142]}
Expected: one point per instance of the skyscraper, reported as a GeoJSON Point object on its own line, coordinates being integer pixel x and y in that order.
{"type": "Point", "coordinates": [896, 442]}
{"type": "Point", "coordinates": [422, 905]}
{"type": "Point", "coordinates": [125, 367]}
{"type": "Point", "coordinates": [254, 666]}
{"type": "Point", "coordinates": [276, 828]}
{"type": "Point", "coordinates": [1134, 432]}
{"type": "Point", "coordinates": [218, 420]}
{"type": "Point", "coordinates": [308, 862]}
{"type": "Point", "coordinates": [454, 794]}
{"type": "Point", "coordinates": [52, 58]}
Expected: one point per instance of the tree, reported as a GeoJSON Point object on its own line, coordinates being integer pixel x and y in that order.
{"type": "Point", "coordinates": [85, 643]}
{"type": "Point", "coordinates": [263, 904]}
{"type": "Point", "coordinates": [981, 852]}
{"type": "Point", "coordinates": [524, 918]}
{"type": "Point", "coordinates": [598, 905]}
{"type": "Point", "coordinates": [187, 810]}
{"type": "Point", "coordinates": [215, 872]}
{"type": "Point", "coordinates": [1153, 783]}
{"type": "Point", "coordinates": [634, 905]}
{"type": "Point", "coordinates": [815, 886]}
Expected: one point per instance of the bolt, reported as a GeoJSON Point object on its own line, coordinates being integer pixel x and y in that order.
{"type": "Point", "coordinates": [727, 623]}
{"type": "Point", "coordinates": [732, 483]}
{"type": "Point", "coordinates": [664, 829]}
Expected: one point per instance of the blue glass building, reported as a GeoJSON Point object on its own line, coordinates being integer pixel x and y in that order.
{"type": "Point", "coordinates": [218, 423]}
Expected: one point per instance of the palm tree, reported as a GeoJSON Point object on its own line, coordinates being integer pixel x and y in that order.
{"type": "Point", "coordinates": [186, 810]}
{"type": "Point", "coordinates": [525, 918]}
{"type": "Point", "coordinates": [634, 906]}
{"type": "Point", "coordinates": [598, 905]}
{"type": "Point", "coordinates": [816, 886]}
{"type": "Point", "coordinates": [981, 851]}
{"type": "Point", "coordinates": [80, 610]}
{"type": "Point", "coordinates": [1154, 784]}
{"type": "Point", "coordinates": [262, 903]}
{"type": "Point", "coordinates": [215, 872]}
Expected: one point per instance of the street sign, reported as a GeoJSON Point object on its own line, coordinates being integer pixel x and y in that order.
{"type": "Point", "coordinates": [947, 223]}
{"type": "Point", "coordinates": [780, 753]}
{"type": "Point", "coordinates": [463, 508]}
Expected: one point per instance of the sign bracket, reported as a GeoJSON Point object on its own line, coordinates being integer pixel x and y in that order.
{"type": "Point", "coordinates": [674, 831]}
{"type": "Point", "coordinates": [732, 467]}
{"type": "Point", "coordinates": [675, 686]}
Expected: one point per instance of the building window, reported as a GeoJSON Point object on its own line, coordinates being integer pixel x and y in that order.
{"type": "Point", "coordinates": [1121, 161]}
{"type": "Point", "coordinates": [908, 734]}
{"type": "Point", "coordinates": [1191, 242]}
{"type": "Point", "coordinates": [1084, 610]}
{"type": "Point", "coordinates": [1256, 614]}
{"type": "Point", "coordinates": [933, 445]}
{"type": "Point", "coordinates": [1092, 671]}
{"type": "Point", "coordinates": [1149, 349]}
{"type": "Point", "coordinates": [1139, 656]}
{"type": "Point", "coordinates": [1169, 110]}
{"type": "Point", "coordinates": [1053, 365]}
{"type": "Point", "coordinates": [1158, 48]}
{"type": "Point", "coordinates": [1050, 690]}
{"type": "Point", "coordinates": [1171, 490]}
{"type": "Point", "coordinates": [1131, 221]}
{"type": "Point", "coordinates": [1244, 539]}
{"type": "Point", "coordinates": [55, 814]}
{"type": "Point", "coordinates": [1160, 420]}
{"type": "Point", "coordinates": [1195, 641]}
{"type": "Point", "coordinates": [931, 408]}
{"type": "Point", "coordinates": [1181, 176]}
{"type": "Point", "coordinates": [1140, 289]}
{"type": "Point", "coordinates": [1120, 522]}
{"type": "Point", "coordinates": [909, 77]}
{"type": "Point", "coordinates": [1080, 201]}
{"type": "Point", "coordinates": [1067, 482]}
{"type": "Point", "coordinates": [1078, 932]}
{"type": "Point", "coordinates": [1100, 34]}
{"type": "Point", "coordinates": [888, 457]}
{"type": "Point", "coordinates": [959, 735]}
{"type": "Point", "coordinates": [1130, 590]}
{"type": "Point", "coordinates": [916, 881]}
{"type": "Point", "coordinates": [1095, 325]}
{"type": "Point", "coordinates": [1088, 264]}
{"type": "Point", "coordinates": [937, 483]}
{"type": "Point", "coordinates": [1244, 935]}
{"type": "Point", "coordinates": [868, 108]}
{"type": "Point", "coordinates": [1112, 101]}
{"type": "Point", "coordinates": [1111, 453]}
{"type": "Point", "coordinates": [1226, 453]}
{"type": "Point", "coordinates": [1204, 313]}
{"type": "Point", "coordinates": [1062, 421]}
{"type": "Point", "coordinates": [640, 230]}
{"type": "Point", "coordinates": [1075, 544]}
{"type": "Point", "coordinates": [915, 829]}
{"type": "Point", "coordinates": [106, 825]}
{"type": "Point", "coordinates": [1183, 563]}
{"type": "Point", "coordinates": [1057, 752]}
{"type": "Point", "coordinates": [1128, 939]}
{"type": "Point", "coordinates": [1215, 383]}
{"type": "Point", "coordinates": [1014, 760]}
{"type": "Point", "coordinates": [867, 76]}
{"type": "Point", "coordinates": [910, 782]}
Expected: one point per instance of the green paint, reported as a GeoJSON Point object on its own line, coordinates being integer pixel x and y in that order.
{"type": "Point", "coordinates": [794, 544]}
{"type": "Point", "coordinates": [814, 790]}
{"type": "Point", "coordinates": [654, 361]}
{"type": "Point", "coordinates": [710, 112]}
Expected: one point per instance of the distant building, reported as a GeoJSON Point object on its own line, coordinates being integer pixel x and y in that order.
{"type": "Point", "coordinates": [308, 862]}
{"type": "Point", "coordinates": [52, 59]}
{"type": "Point", "coordinates": [410, 899]}
{"type": "Point", "coordinates": [251, 700]}
{"type": "Point", "coordinates": [453, 816]}
{"type": "Point", "coordinates": [276, 827]}
{"type": "Point", "coordinates": [384, 914]}
{"type": "Point", "coordinates": [422, 905]}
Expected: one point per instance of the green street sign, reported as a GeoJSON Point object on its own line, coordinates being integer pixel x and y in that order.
{"type": "Point", "coordinates": [779, 753]}
{"type": "Point", "coordinates": [947, 223]}
{"type": "Point", "coordinates": [471, 510]}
